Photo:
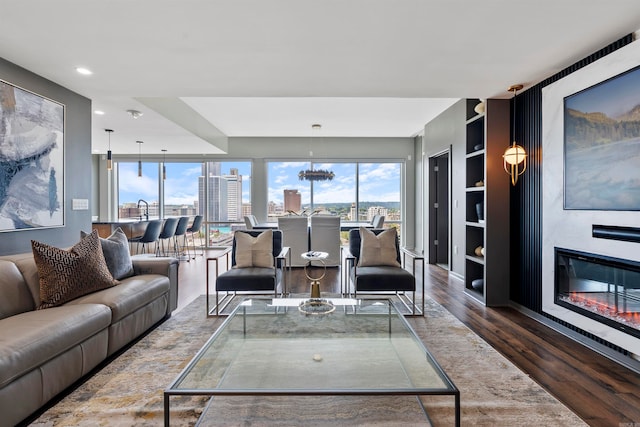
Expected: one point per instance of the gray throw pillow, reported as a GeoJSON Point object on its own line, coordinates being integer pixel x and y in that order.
{"type": "Point", "coordinates": [116, 253]}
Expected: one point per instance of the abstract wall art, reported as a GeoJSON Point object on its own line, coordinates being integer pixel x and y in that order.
{"type": "Point", "coordinates": [31, 160]}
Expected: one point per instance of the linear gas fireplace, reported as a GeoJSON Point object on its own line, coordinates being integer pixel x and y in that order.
{"type": "Point", "coordinates": [603, 288]}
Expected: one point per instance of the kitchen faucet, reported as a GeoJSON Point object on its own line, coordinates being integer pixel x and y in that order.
{"type": "Point", "coordinates": [146, 211]}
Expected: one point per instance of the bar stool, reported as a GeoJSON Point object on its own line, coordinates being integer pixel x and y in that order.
{"type": "Point", "coordinates": [168, 232]}
{"type": "Point", "coordinates": [151, 234]}
{"type": "Point", "coordinates": [195, 228]}
{"type": "Point", "coordinates": [181, 230]}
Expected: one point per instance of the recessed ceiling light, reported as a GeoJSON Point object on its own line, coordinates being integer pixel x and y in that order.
{"type": "Point", "coordinates": [99, 112]}
{"type": "Point", "coordinates": [84, 71]}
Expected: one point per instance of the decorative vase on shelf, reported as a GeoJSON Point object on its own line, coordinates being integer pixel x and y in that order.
{"type": "Point", "coordinates": [479, 108]}
{"type": "Point", "coordinates": [480, 211]}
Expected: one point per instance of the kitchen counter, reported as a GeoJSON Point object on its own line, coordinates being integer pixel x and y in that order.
{"type": "Point", "coordinates": [132, 227]}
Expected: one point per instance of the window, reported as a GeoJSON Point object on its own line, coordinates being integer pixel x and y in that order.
{"type": "Point", "coordinates": [138, 195]}
{"type": "Point", "coordinates": [181, 189]}
{"type": "Point", "coordinates": [357, 192]}
{"type": "Point", "coordinates": [223, 198]}
{"type": "Point", "coordinates": [287, 193]}
{"type": "Point", "coordinates": [379, 192]}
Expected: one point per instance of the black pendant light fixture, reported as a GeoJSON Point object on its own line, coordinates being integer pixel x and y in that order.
{"type": "Point", "coordinates": [140, 157]}
{"type": "Point", "coordinates": [109, 161]}
{"type": "Point", "coordinates": [164, 164]}
{"type": "Point", "coordinates": [315, 174]}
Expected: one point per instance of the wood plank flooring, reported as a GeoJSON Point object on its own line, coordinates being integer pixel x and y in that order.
{"type": "Point", "coordinates": [600, 391]}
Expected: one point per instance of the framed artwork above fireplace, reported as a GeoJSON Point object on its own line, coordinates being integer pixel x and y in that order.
{"type": "Point", "coordinates": [602, 145]}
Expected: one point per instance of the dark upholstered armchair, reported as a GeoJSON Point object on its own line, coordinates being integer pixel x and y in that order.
{"type": "Point", "coordinates": [375, 275]}
{"type": "Point", "coordinates": [252, 271]}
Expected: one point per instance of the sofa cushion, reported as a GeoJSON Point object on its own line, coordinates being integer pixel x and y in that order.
{"type": "Point", "coordinates": [254, 251]}
{"type": "Point", "coordinates": [15, 295]}
{"type": "Point", "coordinates": [68, 274]}
{"type": "Point", "coordinates": [115, 249]}
{"type": "Point", "coordinates": [30, 339]}
{"type": "Point", "coordinates": [131, 294]}
{"type": "Point", "coordinates": [378, 249]}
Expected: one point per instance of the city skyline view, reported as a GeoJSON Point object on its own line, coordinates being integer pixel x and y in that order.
{"type": "Point", "coordinates": [378, 182]}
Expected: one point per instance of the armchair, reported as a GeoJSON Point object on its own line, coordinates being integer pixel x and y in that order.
{"type": "Point", "coordinates": [374, 266]}
{"type": "Point", "coordinates": [258, 261]}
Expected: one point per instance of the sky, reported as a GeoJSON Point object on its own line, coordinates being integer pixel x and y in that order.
{"type": "Point", "coordinates": [613, 97]}
{"type": "Point", "coordinates": [379, 182]}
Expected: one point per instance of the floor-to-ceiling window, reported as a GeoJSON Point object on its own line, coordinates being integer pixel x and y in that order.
{"type": "Point", "coordinates": [379, 192]}
{"type": "Point", "coordinates": [219, 191]}
{"type": "Point", "coordinates": [356, 191]}
{"type": "Point", "coordinates": [138, 196]}
{"type": "Point", "coordinates": [287, 192]}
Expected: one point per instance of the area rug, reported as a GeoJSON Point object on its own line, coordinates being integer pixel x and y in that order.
{"type": "Point", "coordinates": [129, 391]}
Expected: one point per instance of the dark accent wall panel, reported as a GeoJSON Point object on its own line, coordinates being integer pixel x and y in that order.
{"type": "Point", "coordinates": [526, 196]}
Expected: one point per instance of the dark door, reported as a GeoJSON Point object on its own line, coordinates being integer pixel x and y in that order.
{"type": "Point", "coordinates": [439, 210]}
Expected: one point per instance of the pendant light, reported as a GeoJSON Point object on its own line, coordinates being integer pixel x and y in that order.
{"type": "Point", "coordinates": [109, 161]}
{"type": "Point", "coordinates": [515, 156]}
{"type": "Point", "coordinates": [164, 164]}
{"type": "Point", "coordinates": [315, 174]}
{"type": "Point", "coordinates": [140, 157]}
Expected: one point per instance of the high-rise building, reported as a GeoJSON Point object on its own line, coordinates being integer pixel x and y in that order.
{"type": "Point", "coordinates": [376, 210]}
{"type": "Point", "coordinates": [234, 195]}
{"type": "Point", "coordinates": [353, 213]}
{"type": "Point", "coordinates": [292, 200]}
{"type": "Point", "coordinates": [216, 190]}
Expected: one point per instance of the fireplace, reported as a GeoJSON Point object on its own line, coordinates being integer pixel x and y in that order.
{"type": "Point", "coordinates": [602, 288]}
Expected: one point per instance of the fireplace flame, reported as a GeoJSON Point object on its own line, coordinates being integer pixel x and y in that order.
{"type": "Point", "coordinates": [602, 308]}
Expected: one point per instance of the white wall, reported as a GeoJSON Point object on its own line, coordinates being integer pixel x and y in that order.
{"type": "Point", "coordinates": [571, 229]}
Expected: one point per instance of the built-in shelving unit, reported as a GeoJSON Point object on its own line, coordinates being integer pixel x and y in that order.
{"type": "Point", "coordinates": [487, 202]}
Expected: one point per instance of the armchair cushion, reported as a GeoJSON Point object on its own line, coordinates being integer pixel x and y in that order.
{"type": "Point", "coordinates": [378, 250]}
{"type": "Point", "coordinates": [382, 279]}
{"type": "Point", "coordinates": [254, 251]}
{"type": "Point", "coordinates": [249, 279]}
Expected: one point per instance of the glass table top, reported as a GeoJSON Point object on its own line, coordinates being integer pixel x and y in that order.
{"type": "Point", "coordinates": [270, 346]}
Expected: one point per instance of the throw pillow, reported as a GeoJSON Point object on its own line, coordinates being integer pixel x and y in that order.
{"type": "Point", "coordinates": [378, 249]}
{"type": "Point", "coordinates": [254, 251]}
{"type": "Point", "coordinates": [69, 274]}
{"type": "Point", "coordinates": [116, 253]}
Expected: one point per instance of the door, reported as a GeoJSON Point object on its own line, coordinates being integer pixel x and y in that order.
{"type": "Point", "coordinates": [439, 210]}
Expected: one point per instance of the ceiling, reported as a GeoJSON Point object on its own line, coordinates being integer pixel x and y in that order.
{"type": "Point", "coordinates": [204, 70]}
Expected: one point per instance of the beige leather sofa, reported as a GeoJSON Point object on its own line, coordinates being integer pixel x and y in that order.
{"type": "Point", "coordinates": [42, 352]}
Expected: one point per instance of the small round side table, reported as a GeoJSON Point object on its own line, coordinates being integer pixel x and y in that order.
{"type": "Point", "coordinates": [315, 281]}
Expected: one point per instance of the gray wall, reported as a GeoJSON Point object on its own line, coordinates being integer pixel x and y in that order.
{"type": "Point", "coordinates": [439, 134]}
{"type": "Point", "coordinates": [77, 154]}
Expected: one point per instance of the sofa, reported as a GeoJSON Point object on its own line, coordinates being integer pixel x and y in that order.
{"type": "Point", "coordinates": [45, 350]}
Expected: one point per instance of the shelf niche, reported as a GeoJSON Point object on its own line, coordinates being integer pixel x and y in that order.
{"type": "Point", "coordinates": [487, 186]}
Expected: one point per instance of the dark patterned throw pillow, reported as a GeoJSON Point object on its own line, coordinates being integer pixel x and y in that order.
{"type": "Point", "coordinates": [69, 274]}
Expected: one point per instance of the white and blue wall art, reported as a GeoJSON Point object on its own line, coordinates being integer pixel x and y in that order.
{"type": "Point", "coordinates": [31, 160]}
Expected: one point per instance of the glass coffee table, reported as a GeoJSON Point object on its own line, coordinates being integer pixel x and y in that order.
{"type": "Point", "coordinates": [277, 347]}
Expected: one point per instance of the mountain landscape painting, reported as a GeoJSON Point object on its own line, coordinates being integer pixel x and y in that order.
{"type": "Point", "coordinates": [31, 160]}
{"type": "Point", "coordinates": [602, 145]}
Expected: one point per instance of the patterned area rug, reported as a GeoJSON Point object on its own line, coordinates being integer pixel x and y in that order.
{"type": "Point", "coordinates": [129, 391]}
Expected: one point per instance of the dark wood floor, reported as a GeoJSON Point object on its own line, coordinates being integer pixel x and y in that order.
{"type": "Point", "coordinates": [602, 392]}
